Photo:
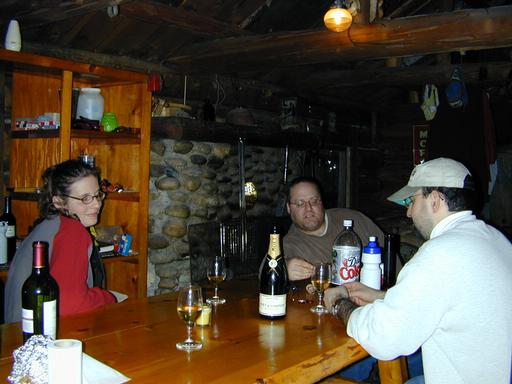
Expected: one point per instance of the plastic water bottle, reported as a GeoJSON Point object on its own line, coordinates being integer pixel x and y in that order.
{"type": "Point", "coordinates": [346, 255]}
{"type": "Point", "coordinates": [372, 271]}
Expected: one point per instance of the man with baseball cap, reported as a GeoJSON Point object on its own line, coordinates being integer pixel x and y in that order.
{"type": "Point", "coordinates": [453, 298]}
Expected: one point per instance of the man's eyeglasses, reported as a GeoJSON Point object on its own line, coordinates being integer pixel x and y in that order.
{"type": "Point", "coordinates": [87, 199]}
{"type": "Point", "coordinates": [410, 200]}
{"type": "Point", "coordinates": [315, 201]}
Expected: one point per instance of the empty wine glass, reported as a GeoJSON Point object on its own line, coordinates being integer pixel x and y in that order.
{"type": "Point", "coordinates": [190, 305]}
{"type": "Point", "coordinates": [216, 273]}
{"type": "Point", "coordinates": [321, 279]}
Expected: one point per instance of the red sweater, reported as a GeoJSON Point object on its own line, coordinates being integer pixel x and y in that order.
{"type": "Point", "coordinates": [69, 266]}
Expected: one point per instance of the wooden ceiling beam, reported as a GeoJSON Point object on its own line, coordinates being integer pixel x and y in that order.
{"type": "Point", "coordinates": [462, 30]}
{"type": "Point", "coordinates": [157, 13]}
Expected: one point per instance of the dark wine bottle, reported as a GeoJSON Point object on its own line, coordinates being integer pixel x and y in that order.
{"type": "Point", "coordinates": [390, 253]}
{"type": "Point", "coordinates": [273, 281]}
{"type": "Point", "coordinates": [9, 218]}
{"type": "Point", "coordinates": [39, 297]}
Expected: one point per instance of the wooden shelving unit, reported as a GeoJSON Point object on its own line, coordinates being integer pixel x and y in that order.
{"type": "Point", "coordinates": [44, 84]}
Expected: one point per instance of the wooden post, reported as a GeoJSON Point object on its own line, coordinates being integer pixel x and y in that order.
{"type": "Point", "coordinates": [3, 132]}
{"type": "Point", "coordinates": [65, 115]}
{"type": "Point", "coordinates": [393, 371]}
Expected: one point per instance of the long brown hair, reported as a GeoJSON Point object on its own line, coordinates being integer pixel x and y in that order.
{"type": "Point", "coordinates": [57, 180]}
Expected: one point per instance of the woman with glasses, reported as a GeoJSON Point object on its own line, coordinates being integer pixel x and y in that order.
{"type": "Point", "coordinates": [69, 204]}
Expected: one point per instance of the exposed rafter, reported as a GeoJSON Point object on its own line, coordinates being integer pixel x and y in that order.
{"type": "Point", "coordinates": [463, 30]}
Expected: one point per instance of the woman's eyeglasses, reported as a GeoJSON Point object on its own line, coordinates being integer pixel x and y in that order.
{"type": "Point", "coordinates": [87, 199]}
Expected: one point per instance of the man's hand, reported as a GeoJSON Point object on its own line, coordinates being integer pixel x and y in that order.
{"type": "Point", "coordinates": [360, 294]}
{"type": "Point", "coordinates": [331, 295]}
{"type": "Point", "coordinates": [299, 269]}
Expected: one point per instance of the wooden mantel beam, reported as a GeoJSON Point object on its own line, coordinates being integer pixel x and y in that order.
{"type": "Point", "coordinates": [474, 73]}
{"type": "Point", "coordinates": [463, 30]}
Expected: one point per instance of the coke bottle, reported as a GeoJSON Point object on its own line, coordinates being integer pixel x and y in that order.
{"type": "Point", "coordinates": [346, 254]}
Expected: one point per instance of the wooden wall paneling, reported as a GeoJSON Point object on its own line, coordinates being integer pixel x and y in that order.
{"type": "Point", "coordinates": [122, 275]}
{"type": "Point", "coordinates": [26, 212]}
{"type": "Point", "coordinates": [30, 157]}
{"type": "Point", "coordinates": [118, 163]}
{"type": "Point", "coordinates": [35, 95]}
{"type": "Point", "coordinates": [122, 213]}
{"type": "Point", "coordinates": [126, 102]}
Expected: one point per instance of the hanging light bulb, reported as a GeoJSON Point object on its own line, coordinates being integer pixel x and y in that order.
{"type": "Point", "coordinates": [338, 18]}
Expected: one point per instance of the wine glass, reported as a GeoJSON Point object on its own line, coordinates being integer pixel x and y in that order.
{"type": "Point", "coordinates": [190, 305]}
{"type": "Point", "coordinates": [321, 279]}
{"type": "Point", "coordinates": [216, 273]}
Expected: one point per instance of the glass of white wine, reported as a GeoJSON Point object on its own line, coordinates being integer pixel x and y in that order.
{"type": "Point", "coordinates": [216, 273]}
{"type": "Point", "coordinates": [190, 305]}
{"type": "Point", "coordinates": [321, 279]}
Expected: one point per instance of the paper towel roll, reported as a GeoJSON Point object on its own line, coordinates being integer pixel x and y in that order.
{"type": "Point", "coordinates": [65, 361]}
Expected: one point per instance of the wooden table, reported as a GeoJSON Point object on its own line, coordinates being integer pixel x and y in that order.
{"type": "Point", "coordinates": [138, 337]}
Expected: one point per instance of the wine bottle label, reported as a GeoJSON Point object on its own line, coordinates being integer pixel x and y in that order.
{"type": "Point", "coordinates": [346, 264]}
{"type": "Point", "coordinates": [50, 318]}
{"type": "Point", "coordinates": [27, 320]}
{"type": "Point", "coordinates": [11, 231]}
{"type": "Point", "coordinates": [272, 305]}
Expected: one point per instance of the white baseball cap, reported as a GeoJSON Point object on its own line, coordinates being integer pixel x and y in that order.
{"type": "Point", "coordinates": [441, 172]}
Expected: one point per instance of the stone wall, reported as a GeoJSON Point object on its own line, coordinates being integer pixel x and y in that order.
{"type": "Point", "coordinates": [196, 182]}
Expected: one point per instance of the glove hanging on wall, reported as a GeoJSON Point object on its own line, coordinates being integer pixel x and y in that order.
{"type": "Point", "coordinates": [430, 101]}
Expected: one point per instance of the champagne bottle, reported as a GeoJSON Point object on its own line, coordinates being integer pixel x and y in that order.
{"type": "Point", "coordinates": [39, 297]}
{"type": "Point", "coordinates": [9, 218]}
{"type": "Point", "coordinates": [273, 281]}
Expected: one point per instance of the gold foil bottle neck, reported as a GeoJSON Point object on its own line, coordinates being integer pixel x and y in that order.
{"type": "Point", "coordinates": [274, 248]}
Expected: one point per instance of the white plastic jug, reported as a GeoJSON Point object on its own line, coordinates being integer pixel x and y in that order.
{"type": "Point", "coordinates": [90, 104]}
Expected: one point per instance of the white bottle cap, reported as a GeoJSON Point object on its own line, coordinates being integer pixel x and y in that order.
{"type": "Point", "coordinates": [347, 223]}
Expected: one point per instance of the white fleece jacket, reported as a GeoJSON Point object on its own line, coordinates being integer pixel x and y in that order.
{"type": "Point", "coordinates": [453, 299]}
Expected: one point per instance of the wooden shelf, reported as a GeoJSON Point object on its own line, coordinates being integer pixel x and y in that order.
{"type": "Point", "coordinates": [124, 196]}
{"type": "Point", "coordinates": [180, 128]}
{"type": "Point", "coordinates": [125, 259]}
{"type": "Point", "coordinates": [95, 136]}
{"type": "Point", "coordinates": [35, 133]}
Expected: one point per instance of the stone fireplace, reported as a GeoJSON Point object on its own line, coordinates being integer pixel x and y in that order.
{"type": "Point", "coordinates": [193, 187]}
